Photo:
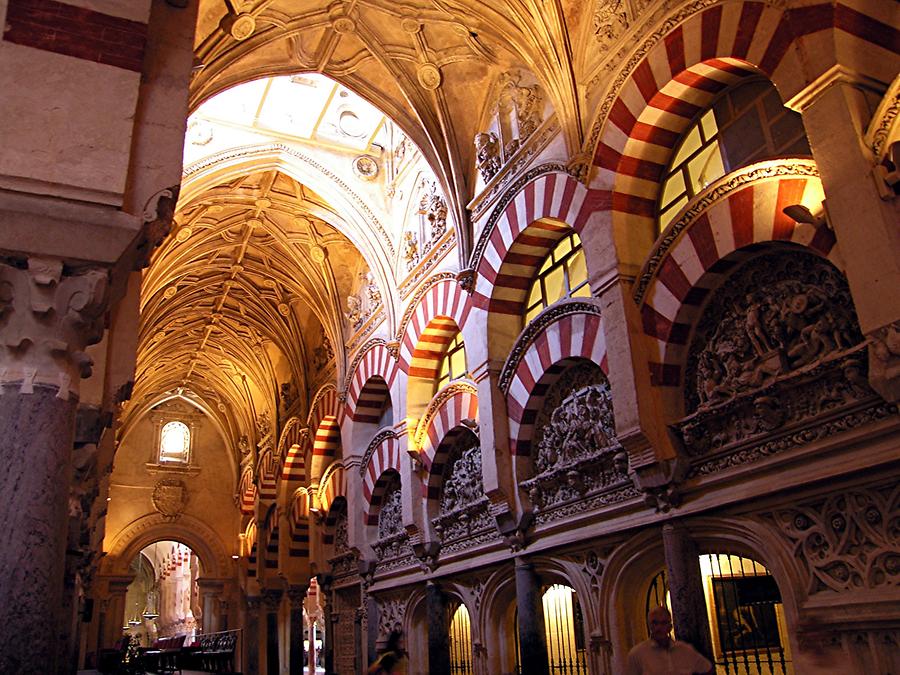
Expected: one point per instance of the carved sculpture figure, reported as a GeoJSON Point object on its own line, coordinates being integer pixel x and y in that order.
{"type": "Point", "coordinates": [609, 21]}
{"type": "Point", "coordinates": [390, 518]}
{"type": "Point", "coordinates": [487, 155]}
{"type": "Point", "coordinates": [462, 485]}
{"type": "Point", "coordinates": [410, 249]}
{"type": "Point", "coordinates": [354, 312]}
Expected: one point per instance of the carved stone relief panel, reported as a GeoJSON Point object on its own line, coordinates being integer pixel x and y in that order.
{"type": "Point", "coordinates": [848, 541]}
{"type": "Point", "coordinates": [393, 542]}
{"type": "Point", "coordinates": [578, 462]}
{"type": "Point", "coordinates": [464, 519]}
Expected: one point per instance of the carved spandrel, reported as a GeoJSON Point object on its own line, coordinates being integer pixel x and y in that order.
{"type": "Point", "coordinates": [47, 318]}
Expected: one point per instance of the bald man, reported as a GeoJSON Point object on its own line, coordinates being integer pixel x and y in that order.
{"type": "Point", "coordinates": [661, 655]}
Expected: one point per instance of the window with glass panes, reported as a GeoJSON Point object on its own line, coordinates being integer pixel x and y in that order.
{"type": "Point", "coordinates": [453, 364]}
{"type": "Point", "coordinates": [562, 275]}
{"type": "Point", "coordinates": [175, 443]}
{"type": "Point", "coordinates": [749, 123]}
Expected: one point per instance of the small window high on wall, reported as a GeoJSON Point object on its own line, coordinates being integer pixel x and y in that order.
{"type": "Point", "coordinates": [174, 443]}
{"type": "Point", "coordinates": [563, 274]}
{"type": "Point", "coordinates": [748, 124]}
{"type": "Point", "coordinates": [453, 363]}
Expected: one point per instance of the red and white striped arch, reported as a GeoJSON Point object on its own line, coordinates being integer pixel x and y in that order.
{"type": "Point", "coordinates": [711, 242]}
{"type": "Point", "coordinates": [333, 486]}
{"type": "Point", "coordinates": [441, 311]}
{"type": "Point", "coordinates": [293, 471]}
{"type": "Point", "coordinates": [335, 507]}
{"type": "Point", "coordinates": [324, 404]}
{"type": "Point", "coordinates": [385, 457]}
{"type": "Point", "coordinates": [371, 382]}
{"type": "Point", "coordinates": [267, 472]}
{"type": "Point", "coordinates": [324, 416]}
{"type": "Point", "coordinates": [247, 490]}
{"type": "Point", "coordinates": [461, 405]}
{"type": "Point", "coordinates": [292, 463]}
{"type": "Point", "coordinates": [298, 518]}
{"type": "Point", "coordinates": [273, 531]}
{"type": "Point", "coordinates": [572, 336]}
{"type": "Point", "coordinates": [521, 238]}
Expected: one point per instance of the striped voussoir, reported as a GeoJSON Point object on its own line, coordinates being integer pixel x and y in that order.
{"type": "Point", "coordinates": [442, 429]}
{"type": "Point", "coordinates": [386, 457]}
{"type": "Point", "coordinates": [291, 450]}
{"type": "Point", "coordinates": [324, 404]}
{"type": "Point", "coordinates": [334, 487]}
{"type": "Point", "coordinates": [299, 524]}
{"type": "Point", "coordinates": [267, 475]}
{"type": "Point", "coordinates": [272, 546]}
{"type": "Point", "coordinates": [713, 242]}
{"type": "Point", "coordinates": [573, 336]}
{"type": "Point", "coordinates": [543, 211]}
{"type": "Point", "coordinates": [247, 491]}
{"type": "Point", "coordinates": [372, 381]}
{"type": "Point", "coordinates": [324, 417]}
{"type": "Point", "coordinates": [441, 312]}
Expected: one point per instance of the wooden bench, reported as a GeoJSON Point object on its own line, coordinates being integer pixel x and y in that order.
{"type": "Point", "coordinates": [212, 652]}
{"type": "Point", "coordinates": [163, 655]}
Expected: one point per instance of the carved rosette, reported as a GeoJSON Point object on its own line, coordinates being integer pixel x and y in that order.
{"type": "Point", "coordinates": [848, 541]}
{"type": "Point", "coordinates": [47, 319]}
{"type": "Point", "coordinates": [578, 458]}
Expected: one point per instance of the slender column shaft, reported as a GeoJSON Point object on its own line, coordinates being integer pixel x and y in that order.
{"type": "Point", "coordinates": [686, 588]}
{"type": "Point", "coordinates": [251, 635]}
{"type": "Point", "coordinates": [438, 631]}
{"type": "Point", "coordinates": [532, 638]}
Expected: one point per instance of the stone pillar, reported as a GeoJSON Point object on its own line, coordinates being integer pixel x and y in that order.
{"type": "Point", "coordinates": [370, 619]}
{"type": "Point", "coordinates": [296, 597]}
{"type": "Point", "coordinates": [324, 581]}
{"type": "Point", "coordinates": [532, 637]}
{"type": "Point", "coordinates": [686, 588]}
{"type": "Point", "coordinates": [210, 599]}
{"type": "Point", "coordinates": [272, 600]}
{"type": "Point", "coordinates": [251, 635]}
{"type": "Point", "coordinates": [438, 630]}
{"type": "Point", "coordinates": [47, 319]}
{"type": "Point", "coordinates": [835, 114]}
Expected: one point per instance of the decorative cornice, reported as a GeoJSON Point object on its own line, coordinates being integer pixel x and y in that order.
{"type": "Point", "coordinates": [249, 152]}
{"type": "Point", "coordinates": [535, 328]}
{"type": "Point", "coordinates": [434, 407]}
{"type": "Point", "coordinates": [351, 370]}
{"type": "Point", "coordinates": [519, 160]}
{"type": "Point", "coordinates": [374, 444]}
{"type": "Point", "coordinates": [419, 294]}
{"type": "Point", "coordinates": [504, 201]}
{"type": "Point", "coordinates": [435, 255]}
{"type": "Point", "coordinates": [719, 190]}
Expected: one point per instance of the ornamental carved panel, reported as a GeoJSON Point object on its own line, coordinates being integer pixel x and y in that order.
{"type": "Point", "coordinates": [463, 520]}
{"type": "Point", "coordinates": [847, 541]}
{"type": "Point", "coordinates": [579, 464]}
{"type": "Point", "coordinates": [392, 548]}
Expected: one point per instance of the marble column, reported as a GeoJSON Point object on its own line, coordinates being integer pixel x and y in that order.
{"type": "Point", "coordinates": [532, 637]}
{"type": "Point", "coordinates": [47, 319]}
{"type": "Point", "coordinates": [324, 582]}
{"type": "Point", "coordinates": [271, 601]}
{"type": "Point", "coordinates": [836, 112]}
{"type": "Point", "coordinates": [296, 596]}
{"type": "Point", "coordinates": [251, 635]}
{"type": "Point", "coordinates": [686, 588]}
{"type": "Point", "coordinates": [438, 630]}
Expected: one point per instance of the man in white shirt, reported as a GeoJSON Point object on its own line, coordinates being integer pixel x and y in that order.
{"type": "Point", "coordinates": [661, 655]}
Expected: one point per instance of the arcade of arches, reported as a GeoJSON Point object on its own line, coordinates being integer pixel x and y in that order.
{"type": "Point", "coordinates": [498, 323]}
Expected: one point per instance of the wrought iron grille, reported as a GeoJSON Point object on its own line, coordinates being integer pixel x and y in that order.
{"type": "Point", "coordinates": [564, 626]}
{"type": "Point", "coordinates": [460, 642]}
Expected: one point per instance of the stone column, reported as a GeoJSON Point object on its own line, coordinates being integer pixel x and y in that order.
{"type": "Point", "coordinates": [370, 619]}
{"type": "Point", "coordinates": [251, 635]}
{"type": "Point", "coordinates": [324, 581]}
{"type": "Point", "coordinates": [210, 598]}
{"type": "Point", "coordinates": [686, 588]}
{"type": "Point", "coordinates": [296, 597]}
{"type": "Point", "coordinates": [438, 630]}
{"type": "Point", "coordinates": [532, 637]}
{"type": "Point", "coordinates": [272, 600]}
{"type": "Point", "coordinates": [47, 319]}
{"type": "Point", "coordinates": [835, 114]}
{"type": "Point", "coordinates": [115, 609]}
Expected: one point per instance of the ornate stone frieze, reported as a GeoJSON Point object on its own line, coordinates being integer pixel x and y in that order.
{"type": "Point", "coordinates": [390, 615]}
{"type": "Point", "coordinates": [438, 249]}
{"type": "Point", "coordinates": [718, 190]}
{"type": "Point", "coordinates": [577, 456]}
{"type": "Point", "coordinates": [464, 518]}
{"type": "Point", "coordinates": [390, 517]}
{"type": "Point", "coordinates": [609, 21]}
{"type": "Point", "coordinates": [47, 319]}
{"type": "Point", "coordinates": [779, 313]}
{"type": "Point", "coordinates": [487, 155]}
{"type": "Point", "coordinates": [848, 541]}
{"type": "Point", "coordinates": [535, 328]}
{"type": "Point", "coordinates": [884, 361]}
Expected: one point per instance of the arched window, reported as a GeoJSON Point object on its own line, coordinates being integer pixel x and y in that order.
{"type": "Point", "coordinates": [564, 625]}
{"type": "Point", "coordinates": [460, 642]}
{"type": "Point", "coordinates": [174, 443]}
{"type": "Point", "coordinates": [562, 275]}
{"type": "Point", "coordinates": [747, 124]}
{"type": "Point", "coordinates": [453, 363]}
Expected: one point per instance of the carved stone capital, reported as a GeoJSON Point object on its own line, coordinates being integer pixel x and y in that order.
{"type": "Point", "coordinates": [466, 279]}
{"type": "Point", "coordinates": [47, 318]}
{"type": "Point", "coordinates": [272, 599]}
{"type": "Point", "coordinates": [296, 596]}
{"type": "Point", "coordinates": [884, 361]}
{"type": "Point", "coordinates": [660, 481]}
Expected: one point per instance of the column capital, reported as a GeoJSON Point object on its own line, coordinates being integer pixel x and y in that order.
{"type": "Point", "coordinates": [297, 594]}
{"type": "Point", "coordinates": [271, 598]}
{"type": "Point", "coordinates": [48, 316]}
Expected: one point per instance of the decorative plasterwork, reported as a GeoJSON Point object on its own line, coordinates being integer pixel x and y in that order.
{"type": "Point", "coordinates": [508, 173]}
{"type": "Point", "coordinates": [508, 196]}
{"type": "Point", "coordinates": [884, 122]}
{"type": "Point", "coordinates": [535, 328]}
{"type": "Point", "coordinates": [720, 189]}
{"type": "Point", "coordinates": [247, 153]}
{"type": "Point", "coordinates": [434, 407]}
{"type": "Point", "coordinates": [413, 302]}
{"type": "Point", "coordinates": [365, 330]}
{"type": "Point", "coordinates": [375, 443]}
{"type": "Point", "coordinates": [434, 256]}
